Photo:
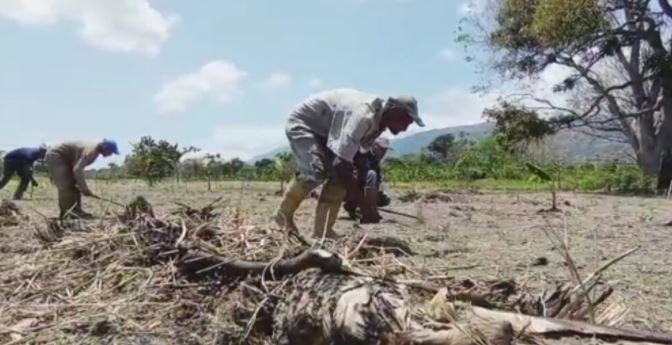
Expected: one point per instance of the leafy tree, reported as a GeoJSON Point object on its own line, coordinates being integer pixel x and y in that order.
{"type": "Point", "coordinates": [211, 168]}
{"type": "Point", "coordinates": [263, 164]}
{"type": "Point", "coordinates": [265, 168]}
{"type": "Point", "coordinates": [286, 165]}
{"type": "Point", "coordinates": [442, 146]}
{"type": "Point", "coordinates": [518, 125]}
{"type": "Point", "coordinates": [154, 160]}
{"type": "Point", "coordinates": [192, 169]}
{"type": "Point", "coordinates": [233, 167]}
{"type": "Point", "coordinates": [618, 57]}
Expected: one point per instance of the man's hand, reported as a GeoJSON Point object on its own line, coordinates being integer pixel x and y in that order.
{"type": "Point", "coordinates": [35, 184]}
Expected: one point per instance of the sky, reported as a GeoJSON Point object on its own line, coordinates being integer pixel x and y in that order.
{"type": "Point", "coordinates": [220, 75]}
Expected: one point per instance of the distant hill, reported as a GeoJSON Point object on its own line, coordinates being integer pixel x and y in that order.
{"type": "Point", "coordinates": [269, 155]}
{"type": "Point", "coordinates": [416, 142]}
{"type": "Point", "coordinates": [573, 146]}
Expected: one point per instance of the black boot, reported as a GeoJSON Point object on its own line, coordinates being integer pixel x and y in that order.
{"type": "Point", "coordinates": [369, 207]}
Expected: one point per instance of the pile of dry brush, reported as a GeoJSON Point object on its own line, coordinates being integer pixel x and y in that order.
{"type": "Point", "coordinates": [198, 276]}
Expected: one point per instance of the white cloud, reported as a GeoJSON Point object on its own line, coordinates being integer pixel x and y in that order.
{"type": "Point", "coordinates": [315, 83]}
{"type": "Point", "coordinates": [447, 54]}
{"type": "Point", "coordinates": [456, 107]}
{"type": "Point", "coordinates": [277, 81]}
{"type": "Point", "coordinates": [233, 140]}
{"type": "Point", "coordinates": [471, 7]}
{"type": "Point", "coordinates": [130, 26]}
{"type": "Point", "coordinates": [219, 80]}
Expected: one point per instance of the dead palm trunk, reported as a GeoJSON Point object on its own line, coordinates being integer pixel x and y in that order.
{"type": "Point", "coordinates": [338, 309]}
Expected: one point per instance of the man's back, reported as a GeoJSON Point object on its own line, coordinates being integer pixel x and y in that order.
{"type": "Point", "coordinates": [317, 112]}
{"type": "Point", "coordinates": [73, 151]}
{"type": "Point", "coordinates": [26, 154]}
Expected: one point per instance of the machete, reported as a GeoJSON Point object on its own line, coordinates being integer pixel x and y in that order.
{"type": "Point", "coordinates": [398, 213]}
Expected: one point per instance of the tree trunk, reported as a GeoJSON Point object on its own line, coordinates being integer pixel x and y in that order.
{"type": "Point", "coordinates": [649, 160]}
{"type": "Point", "coordinates": [665, 174]}
{"type": "Point", "coordinates": [664, 143]}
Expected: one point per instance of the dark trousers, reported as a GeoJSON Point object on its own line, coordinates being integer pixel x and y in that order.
{"type": "Point", "coordinates": [372, 180]}
{"type": "Point", "coordinates": [22, 169]}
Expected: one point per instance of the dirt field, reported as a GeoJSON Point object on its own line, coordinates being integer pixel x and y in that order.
{"type": "Point", "coordinates": [468, 234]}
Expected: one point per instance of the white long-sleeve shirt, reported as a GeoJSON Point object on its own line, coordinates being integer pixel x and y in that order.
{"type": "Point", "coordinates": [348, 119]}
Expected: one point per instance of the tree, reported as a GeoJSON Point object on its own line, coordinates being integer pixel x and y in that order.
{"type": "Point", "coordinates": [442, 146]}
{"type": "Point", "coordinates": [286, 165]}
{"type": "Point", "coordinates": [617, 56]}
{"type": "Point", "coordinates": [155, 160]}
{"type": "Point", "coordinates": [265, 168]}
{"type": "Point", "coordinates": [264, 164]}
{"type": "Point", "coordinates": [518, 125]}
{"type": "Point", "coordinates": [233, 167]}
{"type": "Point", "coordinates": [211, 167]}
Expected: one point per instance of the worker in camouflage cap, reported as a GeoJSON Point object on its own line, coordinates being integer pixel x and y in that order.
{"type": "Point", "coordinates": [325, 132]}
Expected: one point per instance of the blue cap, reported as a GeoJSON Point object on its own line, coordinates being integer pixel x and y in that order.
{"type": "Point", "coordinates": [111, 145]}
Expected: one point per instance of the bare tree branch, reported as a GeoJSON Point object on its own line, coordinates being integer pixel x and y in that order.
{"type": "Point", "coordinates": [667, 8]}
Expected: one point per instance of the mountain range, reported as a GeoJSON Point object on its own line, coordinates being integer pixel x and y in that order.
{"type": "Point", "coordinates": [569, 145]}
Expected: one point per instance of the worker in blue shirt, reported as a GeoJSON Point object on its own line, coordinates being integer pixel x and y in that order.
{"type": "Point", "coordinates": [20, 161]}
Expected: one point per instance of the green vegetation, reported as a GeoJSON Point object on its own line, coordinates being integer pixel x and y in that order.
{"type": "Point", "coordinates": [154, 160]}
{"type": "Point", "coordinates": [492, 163]}
{"type": "Point", "coordinates": [489, 164]}
{"type": "Point", "coordinates": [615, 57]}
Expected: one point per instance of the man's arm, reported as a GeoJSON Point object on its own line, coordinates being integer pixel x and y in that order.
{"type": "Point", "coordinates": [32, 177]}
{"type": "Point", "coordinates": [80, 178]}
{"type": "Point", "coordinates": [345, 148]}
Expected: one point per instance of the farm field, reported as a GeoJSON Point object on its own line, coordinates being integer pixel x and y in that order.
{"type": "Point", "coordinates": [478, 235]}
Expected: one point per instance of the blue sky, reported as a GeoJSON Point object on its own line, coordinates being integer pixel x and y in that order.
{"type": "Point", "coordinates": [219, 74]}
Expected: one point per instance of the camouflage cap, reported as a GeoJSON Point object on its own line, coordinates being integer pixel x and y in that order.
{"type": "Point", "coordinates": [408, 103]}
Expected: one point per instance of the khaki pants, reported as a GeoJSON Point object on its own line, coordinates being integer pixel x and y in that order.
{"type": "Point", "coordinates": [62, 175]}
{"type": "Point", "coordinates": [312, 156]}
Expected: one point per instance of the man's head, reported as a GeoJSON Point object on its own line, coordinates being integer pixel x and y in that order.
{"type": "Point", "coordinates": [399, 113]}
{"type": "Point", "coordinates": [380, 148]}
{"type": "Point", "coordinates": [42, 151]}
{"type": "Point", "coordinates": [108, 147]}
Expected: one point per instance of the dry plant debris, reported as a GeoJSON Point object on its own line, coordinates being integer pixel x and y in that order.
{"type": "Point", "coordinates": [10, 214]}
{"type": "Point", "coordinates": [196, 276]}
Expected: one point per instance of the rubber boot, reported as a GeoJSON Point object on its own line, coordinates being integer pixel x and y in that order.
{"type": "Point", "coordinates": [67, 201]}
{"type": "Point", "coordinates": [369, 207]}
{"type": "Point", "coordinates": [350, 206]}
{"type": "Point", "coordinates": [327, 209]}
{"type": "Point", "coordinates": [284, 215]}
{"type": "Point", "coordinates": [79, 212]}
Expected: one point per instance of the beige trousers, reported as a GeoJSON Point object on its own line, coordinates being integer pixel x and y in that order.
{"type": "Point", "coordinates": [62, 175]}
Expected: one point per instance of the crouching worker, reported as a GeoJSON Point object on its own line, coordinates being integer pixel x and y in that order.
{"type": "Point", "coordinates": [325, 132]}
{"type": "Point", "coordinates": [20, 162]}
{"type": "Point", "coordinates": [369, 179]}
{"type": "Point", "coordinates": [66, 163]}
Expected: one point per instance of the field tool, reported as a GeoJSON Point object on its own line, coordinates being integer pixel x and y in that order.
{"type": "Point", "coordinates": [108, 200]}
{"type": "Point", "coordinates": [399, 213]}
